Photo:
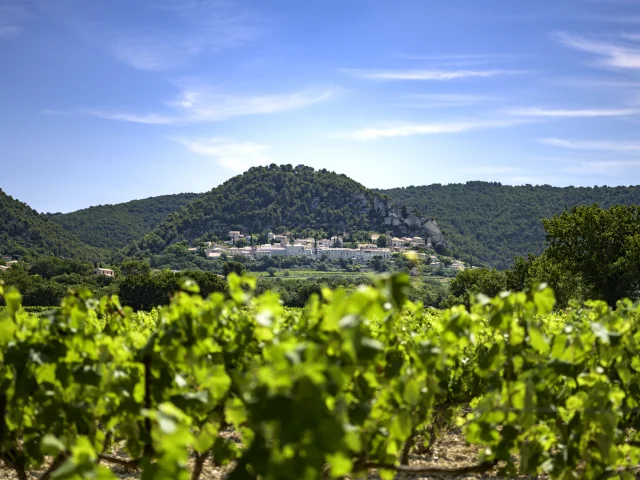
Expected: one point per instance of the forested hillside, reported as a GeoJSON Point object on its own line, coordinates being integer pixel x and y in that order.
{"type": "Point", "coordinates": [285, 198]}
{"type": "Point", "coordinates": [24, 231]}
{"type": "Point", "coordinates": [116, 226]}
{"type": "Point", "coordinates": [494, 223]}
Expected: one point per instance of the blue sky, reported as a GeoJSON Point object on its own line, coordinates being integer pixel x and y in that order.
{"type": "Point", "coordinates": [107, 101]}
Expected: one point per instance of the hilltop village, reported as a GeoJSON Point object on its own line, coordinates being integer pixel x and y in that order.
{"type": "Point", "coordinates": [381, 246]}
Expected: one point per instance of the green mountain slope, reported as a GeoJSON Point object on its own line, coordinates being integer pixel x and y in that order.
{"type": "Point", "coordinates": [494, 222]}
{"type": "Point", "coordinates": [116, 226]}
{"type": "Point", "coordinates": [23, 231]}
{"type": "Point", "coordinates": [285, 198]}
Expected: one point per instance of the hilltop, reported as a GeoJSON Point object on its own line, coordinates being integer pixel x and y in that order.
{"type": "Point", "coordinates": [116, 226]}
{"type": "Point", "coordinates": [494, 223]}
{"type": "Point", "coordinates": [284, 198]}
{"type": "Point", "coordinates": [23, 231]}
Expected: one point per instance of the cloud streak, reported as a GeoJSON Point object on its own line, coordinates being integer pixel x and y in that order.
{"type": "Point", "coordinates": [437, 100]}
{"type": "Point", "coordinates": [460, 60]}
{"type": "Point", "coordinates": [207, 105]}
{"type": "Point", "coordinates": [572, 113]}
{"type": "Point", "coordinates": [238, 156]}
{"type": "Point", "coordinates": [612, 54]}
{"type": "Point", "coordinates": [607, 167]}
{"type": "Point", "coordinates": [409, 130]}
{"type": "Point", "coordinates": [427, 75]}
{"type": "Point", "coordinates": [592, 145]}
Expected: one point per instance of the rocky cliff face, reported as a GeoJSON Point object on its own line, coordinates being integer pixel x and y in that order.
{"type": "Point", "coordinates": [435, 234]}
{"type": "Point", "coordinates": [410, 224]}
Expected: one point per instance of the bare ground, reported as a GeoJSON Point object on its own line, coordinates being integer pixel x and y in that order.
{"type": "Point", "coordinates": [449, 452]}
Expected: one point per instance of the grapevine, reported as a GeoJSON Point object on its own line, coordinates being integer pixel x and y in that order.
{"type": "Point", "coordinates": [349, 383]}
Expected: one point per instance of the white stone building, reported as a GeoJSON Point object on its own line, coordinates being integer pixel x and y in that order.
{"type": "Point", "coordinates": [107, 272]}
{"type": "Point", "coordinates": [417, 242]}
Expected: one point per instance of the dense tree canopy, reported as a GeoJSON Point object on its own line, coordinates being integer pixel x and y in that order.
{"type": "Point", "coordinates": [469, 283]}
{"type": "Point", "coordinates": [23, 231]}
{"type": "Point", "coordinates": [143, 292]}
{"type": "Point", "coordinates": [493, 223]}
{"type": "Point", "coordinates": [48, 279]}
{"type": "Point", "coordinates": [602, 246]}
{"type": "Point", "coordinates": [530, 271]}
{"type": "Point", "coordinates": [116, 226]}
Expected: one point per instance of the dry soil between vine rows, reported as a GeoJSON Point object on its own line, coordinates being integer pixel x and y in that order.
{"type": "Point", "coordinates": [449, 452]}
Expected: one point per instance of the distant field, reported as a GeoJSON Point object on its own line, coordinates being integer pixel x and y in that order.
{"type": "Point", "coordinates": [309, 274]}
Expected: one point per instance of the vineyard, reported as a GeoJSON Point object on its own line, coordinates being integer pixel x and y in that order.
{"type": "Point", "coordinates": [353, 383]}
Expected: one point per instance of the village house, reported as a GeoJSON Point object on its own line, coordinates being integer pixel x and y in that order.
{"type": "Point", "coordinates": [240, 251]}
{"type": "Point", "coordinates": [270, 250]}
{"type": "Point", "coordinates": [369, 254]}
{"type": "Point", "coordinates": [309, 242]}
{"type": "Point", "coordinates": [417, 242]}
{"type": "Point", "coordinates": [298, 249]}
{"type": "Point", "coordinates": [338, 253]}
{"type": "Point", "coordinates": [234, 235]}
{"type": "Point", "coordinates": [336, 239]}
{"type": "Point", "coordinates": [457, 265]}
{"type": "Point", "coordinates": [281, 239]}
{"type": "Point", "coordinates": [355, 254]}
{"type": "Point", "coordinates": [107, 272]}
{"type": "Point", "coordinates": [397, 242]}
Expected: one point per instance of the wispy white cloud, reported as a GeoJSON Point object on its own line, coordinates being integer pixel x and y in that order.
{"type": "Point", "coordinates": [193, 28]}
{"type": "Point", "coordinates": [612, 146]}
{"type": "Point", "coordinates": [606, 167]}
{"type": "Point", "coordinates": [429, 129]}
{"type": "Point", "coordinates": [612, 54]}
{"type": "Point", "coordinates": [460, 60]}
{"type": "Point", "coordinates": [228, 153]}
{"type": "Point", "coordinates": [609, 18]}
{"type": "Point", "coordinates": [578, 166]}
{"type": "Point", "coordinates": [433, 75]}
{"type": "Point", "coordinates": [437, 100]}
{"type": "Point", "coordinates": [150, 119]}
{"type": "Point", "coordinates": [596, 83]}
{"type": "Point", "coordinates": [12, 16]}
{"type": "Point", "coordinates": [572, 113]}
{"type": "Point", "coordinates": [208, 105]}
